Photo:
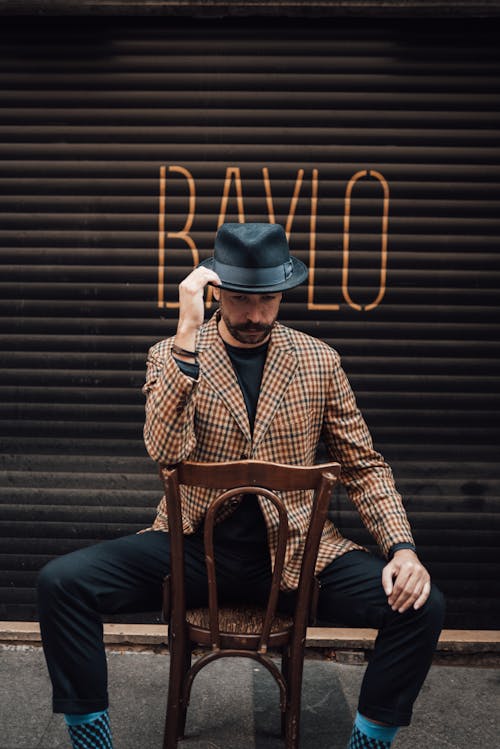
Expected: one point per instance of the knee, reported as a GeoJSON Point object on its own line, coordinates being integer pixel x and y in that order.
{"type": "Point", "coordinates": [434, 610]}
{"type": "Point", "coordinates": [436, 603]}
{"type": "Point", "coordinates": [53, 580]}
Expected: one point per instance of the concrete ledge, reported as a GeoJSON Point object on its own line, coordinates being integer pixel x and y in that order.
{"type": "Point", "coordinates": [154, 636]}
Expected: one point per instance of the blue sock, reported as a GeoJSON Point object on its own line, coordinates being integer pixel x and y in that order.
{"type": "Point", "coordinates": [369, 735]}
{"type": "Point", "coordinates": [89, 731]}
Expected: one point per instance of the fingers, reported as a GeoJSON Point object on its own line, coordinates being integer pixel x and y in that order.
{"type": "Point", "coordinates": [423, 597]}
{"type": "Point", "coordinates": [191, 289]}
{"type": "Point", "coordinates": [411, 587]}
{"type": "Point", "coordinates": [198, 279]}
{"type": "Point", "coordinates": [405, 581]}
{"type": "Point", "coordinates": [387, 575]}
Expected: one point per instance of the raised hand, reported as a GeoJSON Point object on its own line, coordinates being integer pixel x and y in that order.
{"type": "Point", "coordinates": [191, 305]}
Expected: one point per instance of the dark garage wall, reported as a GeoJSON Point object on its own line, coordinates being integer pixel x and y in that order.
{"type": "Point", "coordinates": [123, 144]}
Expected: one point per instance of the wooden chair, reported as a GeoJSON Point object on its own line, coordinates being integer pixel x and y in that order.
{"type": "Point", "coordinates": [241, 631]}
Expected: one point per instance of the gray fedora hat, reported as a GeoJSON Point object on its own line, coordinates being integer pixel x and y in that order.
{"type": "Point", "coordinates": [254, 258]}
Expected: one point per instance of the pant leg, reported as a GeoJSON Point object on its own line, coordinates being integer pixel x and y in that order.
{"type": "Point", "coordinates": [351, 592]}
{"type": "Point", "coordinates": [74, 591]}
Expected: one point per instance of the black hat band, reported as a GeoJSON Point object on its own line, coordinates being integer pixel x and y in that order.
{"type": "Point", "coordinates": [253, 276]}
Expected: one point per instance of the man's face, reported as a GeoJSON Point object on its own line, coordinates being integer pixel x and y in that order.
{"type": "Point", "coordinates": [247, 319]}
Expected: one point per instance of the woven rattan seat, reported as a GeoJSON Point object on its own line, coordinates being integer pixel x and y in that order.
{"type": "Point", "coordinates": [238, 619]}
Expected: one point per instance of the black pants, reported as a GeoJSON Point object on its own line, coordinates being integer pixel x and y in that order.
{"type": "Point", "coordinates": [124, 576]}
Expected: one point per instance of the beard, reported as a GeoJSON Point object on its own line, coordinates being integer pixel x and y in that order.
{"type": "Point", "coordinates": [248, 333]}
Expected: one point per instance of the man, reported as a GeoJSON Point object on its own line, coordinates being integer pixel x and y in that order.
{"type": "Point", "coordinates": [242, 385]}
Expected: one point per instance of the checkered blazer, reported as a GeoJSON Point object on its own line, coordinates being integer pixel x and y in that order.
{"type": "Point", "coordinates": [305, 396]}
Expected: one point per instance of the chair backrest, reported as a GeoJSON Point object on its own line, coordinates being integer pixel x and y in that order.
{"type": "Point", "coordinates": [247, 477]}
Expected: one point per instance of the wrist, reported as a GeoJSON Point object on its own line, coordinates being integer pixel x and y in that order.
{"type": "Point", "coordinates": [404, 546]}
{"type": "Point", "coordinates": [184, 344]}
{"type": "Point", "coordinates": [188, 326]}
{"type": "Point", "coordinates": [184, 354]}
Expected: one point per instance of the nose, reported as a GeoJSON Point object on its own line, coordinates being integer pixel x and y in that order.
{"type": "Point", "coordinates": [253, 312]}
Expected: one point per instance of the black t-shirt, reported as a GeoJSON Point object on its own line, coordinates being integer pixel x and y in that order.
{"type": "Point", "coordinates": [245, 529]}
{"type": "Point", "coordinates": [248, 364]}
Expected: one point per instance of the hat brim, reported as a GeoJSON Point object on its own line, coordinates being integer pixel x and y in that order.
{"type": "Point", "coordinates": [298, 275]}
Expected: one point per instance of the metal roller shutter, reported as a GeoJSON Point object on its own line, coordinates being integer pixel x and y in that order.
{"type": "Point", "coordinates": [122, 146]}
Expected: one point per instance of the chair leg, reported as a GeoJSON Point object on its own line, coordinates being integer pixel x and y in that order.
{"type": "Point", "coordinates": [284, 671]}
{"type": "Point", "coordinates": [184, 696]}
{"type": "Point", "coordinates": [176, 710]}
{"type": "Point", "coordinates": [170, 736]}
{"type": "Point", "coordinates": [295, 669]}
{"type": "Point", "coordinates": [292, 728]}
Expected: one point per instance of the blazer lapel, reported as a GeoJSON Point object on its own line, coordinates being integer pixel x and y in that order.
{"type": "Point", "coordinates": [281, 365]}
{"type": "Point", "coordinates": [220, 376]}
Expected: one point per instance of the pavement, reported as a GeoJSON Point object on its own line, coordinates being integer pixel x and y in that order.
{"type": "Point", "coordinates": [234, 704]}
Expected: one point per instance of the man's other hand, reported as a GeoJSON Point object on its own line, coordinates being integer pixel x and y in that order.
{"type": "Point", "coordinates": [406, 582]}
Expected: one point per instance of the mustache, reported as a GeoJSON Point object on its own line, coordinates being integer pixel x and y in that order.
{"type": "Point", "coordinates": [250, 327]}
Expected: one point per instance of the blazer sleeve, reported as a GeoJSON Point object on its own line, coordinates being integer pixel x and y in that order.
{"type": "Point", "coordinates": [365, 474]}
{"type": "Point", "coordinates": [169, 433]}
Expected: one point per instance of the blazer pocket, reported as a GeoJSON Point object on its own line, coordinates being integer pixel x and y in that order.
{"type": "Point", "coordinates": [292, 425]}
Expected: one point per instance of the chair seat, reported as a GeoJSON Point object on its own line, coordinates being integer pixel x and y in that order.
{"type": "Point", "coordinates": [239, 620]}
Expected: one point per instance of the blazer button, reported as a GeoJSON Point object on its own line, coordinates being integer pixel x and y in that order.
{"type": "Point", "coordinates": [244, 456]}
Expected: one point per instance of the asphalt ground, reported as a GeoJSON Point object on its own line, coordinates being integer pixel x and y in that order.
{"type": "Point", "coordinates": [234, 705]}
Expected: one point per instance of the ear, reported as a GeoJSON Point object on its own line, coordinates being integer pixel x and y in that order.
{"type": "Point", "coordinates": [216, 293]}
